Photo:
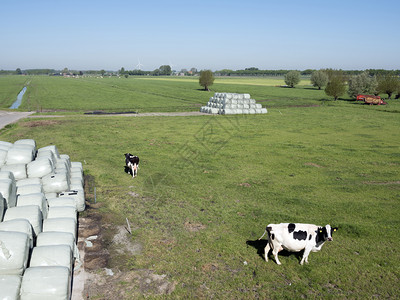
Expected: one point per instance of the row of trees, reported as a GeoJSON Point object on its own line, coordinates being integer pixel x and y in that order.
{"type": "Point", "coordinates": [336, 82]}
{"type": "Point", "coordinates": [256, 72]}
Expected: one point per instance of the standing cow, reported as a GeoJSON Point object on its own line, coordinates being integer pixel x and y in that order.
{"type": "Point", "coordinates": [132, 163]}
{"type": "Point", "coordinates": [296, 237]}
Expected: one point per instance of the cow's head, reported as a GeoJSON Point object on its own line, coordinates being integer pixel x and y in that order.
{"type": "Point", "coordinates": [325, 233]}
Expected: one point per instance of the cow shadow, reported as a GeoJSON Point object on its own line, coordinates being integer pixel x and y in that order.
{"type": "Point", "coordinates": [259, 245]}
{"type": "Point", "coordinates": [128, 170]}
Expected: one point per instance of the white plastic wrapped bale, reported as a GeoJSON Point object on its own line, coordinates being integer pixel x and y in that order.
{"type": "Point", "coordinates": [52, 148]}
{"type": "Point", "coordinates": [58, 238]}
{"type": "Point", "coordinates": [28, 181]}
{"type": "Point", "coordinates": [62, 212]}
{"type": "Point", "coordinates": [63, 201]}
{"type": "Point", "coordinates": [3, 157]}
{"type": "Point", "coordinates": [34, 199]}
{"type": "Point", "coordinates": [18, 170]}
{"type": "Point", "coordinates": [55, 183]}
{"type": "Point", "coordinates": [31, 212]}
{"type": "Point", "coordinates": [40, 283]}
{"type": "Point", "coordinates": [20, 154]}
{"type": "Point", "coordinates": [47, 154]}
{"type": "Point", "coordinates": [76, 176]}
{"type": "Point", "coordinates": [39, 168]}
{"type": "Point", "coordinates": [8, 191]}
{"type": "Point", "coordinates": [62, 167]}
{"type": "Point", "coordinates": [29, 189]}
{"type": "Point", "coordinates": [18, 225]}
{"type": "Point", "coordinates": [78, 196]}
{"type": "Point", "coordinates": [61, 225]}
{"type": "Point", "coordinates": [66, 158]}
{"type": "Point", "coordinates": [10, 286]}
{"type": "Point", "coordinates": [5, 145]}
{"type": "Point", "coordinates": [51, 256]}
{"type": "Point", "coordinates": [7, 175]}
{"type": "Point", "coordinates": [29, 142]}
{"type": "Point", "coordinates": [2, 206]}
{"type": "Point", "coordinates": [14, 252]}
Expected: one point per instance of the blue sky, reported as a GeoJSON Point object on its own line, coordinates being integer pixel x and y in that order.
{"type": "Point", "coordinates": [86, 34]}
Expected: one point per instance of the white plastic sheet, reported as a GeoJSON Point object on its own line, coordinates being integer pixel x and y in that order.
{"type": "Point", "coordinates": [18, 170]}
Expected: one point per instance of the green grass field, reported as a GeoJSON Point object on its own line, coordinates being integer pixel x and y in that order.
{"type": "Point", "coordinates": [208, 186]}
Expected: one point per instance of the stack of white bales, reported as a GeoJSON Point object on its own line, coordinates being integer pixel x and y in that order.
{"type": "Point", "coordinates": [231, 103]}
{"type": "Point", "coordinates": [40, 194]}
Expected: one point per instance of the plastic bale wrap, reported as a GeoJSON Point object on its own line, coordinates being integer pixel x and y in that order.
{"type": "Point", "coordinates": [52, 256]}
{"type": "Point", "coordinates": [34, 199]}
{"type": "Point", "coordinates": [31, 213]}
{"type": "Point", "coordinates": [79, 197]}
{"type": "Point", "coordinates": [28, 181]}
{"type": "Point", "coordinates": [18, 225]}
{"type": "Point", "coordinates": [62, 212]}
{"type": "Point", "coordinates": [10, 286]}
{"type": "Point", "coordinates": [20, 154]}
{"type": "Point", "coordinates": [61, 225]}
{"type": "Point", "coordinates": [14, 252]}
{"type": "Point", "coordinates": [55, 183]}
{"type": "Point", "coordinates": [7, 175]}
{"type": "Point", "coordinates": [52, 238]}
{"type": "Point", "coordinates": [47, 154]}
{"type": "Point", "coordinates": [2, 206]}
{"type": "Point", "coordinates": [39, 168]}
{"type": "Point", "coordinates": [18, 170]}
{"type": "Point", "coordinates": [66, 158]}
{"type": "Point", "coordinates": [29, 142]}
{"type": "Point", "coordinates": [52, 148]}
{"type": "Point", "coordinates": [3, 157]}
{"type": "Point", "coordinates": [40, 283]}
{"type": "Point", "coordinates": [29, 189]}
{"type": "Point", "coordinates": [5, 145]}
{"type": "Point", "coordinates": [63, 201]}
{"type": "Point", "coordinates": [8, 190]}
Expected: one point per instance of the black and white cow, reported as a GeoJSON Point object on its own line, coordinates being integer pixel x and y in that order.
{"type": "Point", "coordinates": [132, 163]}
{"type": "Point", "coordinates": [296, 237]}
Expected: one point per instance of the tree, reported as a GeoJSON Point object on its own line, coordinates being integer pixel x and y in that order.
{"type": "Point", "coordinates": [122, 71]}
{"type": "Point", "coordinates": [102, 72]}
{"type": "Point", "coordinates": [292, 78]}
{"type": "Point", "coordinates": [206, 79]}
{"type": "Point", "coordinates": [362, 84]}
{"type": "Point", "coordinates": [18, 71]}
{"type": "Point", "coordinates": [319, 79]}
{"type": "Point", "coordinates": [336, 86]}
{"type": "Point", "coordinates": [388, 84]}
{"type": "Point", "coordinates": [165, 70]}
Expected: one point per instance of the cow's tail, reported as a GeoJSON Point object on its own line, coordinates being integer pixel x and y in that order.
{"type": "Point", "coordinates": [263, 234]}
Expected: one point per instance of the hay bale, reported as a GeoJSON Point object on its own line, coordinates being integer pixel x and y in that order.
{"type": "Point", "coordinates": [31, 213]}
{"type": "Point", "coordinates": [18, 225]}
{"type": "Point", "coordinates": [34, 199]}
{"type": "Point", "coordinates": [46, 283]}
{"type": "Point", "coordinates": [14, 252]}
{"type": "Point", "coordinates": [10, 286]}
{"type": "Point", "coordinates": [18, 170]}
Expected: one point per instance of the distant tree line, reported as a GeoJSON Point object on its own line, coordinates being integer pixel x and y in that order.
{"type": "Point", "coordinates": [256, 72]}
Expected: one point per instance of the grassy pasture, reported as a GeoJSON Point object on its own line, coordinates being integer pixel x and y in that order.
{"type": "Point", "coordinates": [10, 86]}
{"type": "Point", "coordinates": [209, 185]}
{"type": "Point", "coordinates": [150, 94]}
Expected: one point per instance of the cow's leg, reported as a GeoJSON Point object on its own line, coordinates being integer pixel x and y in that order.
{"type": "Point", "coordinates": [266, 251]}
{"type": "Point", "coordinates": [275, 250]}
{"type": "Point", "coordinates": [307, 251]}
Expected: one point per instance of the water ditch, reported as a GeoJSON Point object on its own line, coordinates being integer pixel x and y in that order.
{"type": "Point", "coordinates": [18, 102]}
